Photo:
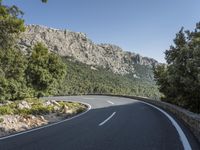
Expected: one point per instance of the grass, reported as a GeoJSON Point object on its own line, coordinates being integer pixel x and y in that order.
{"type": "Point", "coordinates": [37, 108]}
{"type": "Point", "coordinates": [6, 110]}
{"type": "Point", "coordinates": [1, 120]}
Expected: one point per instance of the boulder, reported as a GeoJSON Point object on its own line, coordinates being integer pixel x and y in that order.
{"type": "Point", "coordinates": [42, 118]}
{"type": "Point", "coordinates": [24, 105]}
{"type": "Point", "coordinates": [65, 109]}
{"type": "Point", "coordinates": [48, 103]}
{"type": "Point", "coordinates": [56, 108]}
{"type": "Point", "coordinates": [55, 103]}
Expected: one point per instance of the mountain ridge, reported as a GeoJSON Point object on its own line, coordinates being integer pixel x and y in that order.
{"type": "Point", "coordinates": [78, 46]}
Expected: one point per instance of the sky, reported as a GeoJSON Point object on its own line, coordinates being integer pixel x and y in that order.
{"type": "Point", "coordinates": [147, 27]}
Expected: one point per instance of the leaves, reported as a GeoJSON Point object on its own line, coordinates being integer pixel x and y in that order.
{"type": "Point", "coordinates": [45, 70]}
{"type": "Point", "coordinates": [10, 25]}
{"type": "Point", "coordinates": [81, 79]}
{"type": "Point", "coordinates": [179, 80]}
{"type": "Point", "coordinates": [44, 1]}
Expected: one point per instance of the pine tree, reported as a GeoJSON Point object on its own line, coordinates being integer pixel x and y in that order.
{"type": "Point", "coordinates": [179, 81]}
{"type": "Point", "coordinates": [45, 71]}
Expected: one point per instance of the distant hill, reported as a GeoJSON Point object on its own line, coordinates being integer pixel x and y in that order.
{"type": "Point", "coordinates": [85, 79]}
{"type": "Point", "coordinates": [78, 47]}
{"type": "Point", "coordinates": [94, 68]}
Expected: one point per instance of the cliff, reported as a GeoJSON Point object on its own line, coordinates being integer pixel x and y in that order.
{"type": "Point", "coordinates": [78, 46]}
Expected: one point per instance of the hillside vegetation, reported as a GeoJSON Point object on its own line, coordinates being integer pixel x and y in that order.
{"type": "Point", "coordinates": [81, 79]}
{"type": "Point", "coordinates": [40, 72]}
{"type": "Point", "coordinates": [25, 75]}
{"type": "Point", "coordinates": [31, 75]}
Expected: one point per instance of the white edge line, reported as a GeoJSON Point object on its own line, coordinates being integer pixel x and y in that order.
{"type": "Point", "coordinates": [102, 123]}
{"type": "Point", "coordinates": [51, 124]}
{"type": "Point", "coordinates": [110, 102]}
{"type": "Point", "coordinates": [182, 136]}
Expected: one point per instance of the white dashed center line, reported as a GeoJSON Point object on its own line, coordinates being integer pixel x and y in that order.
{"type": "Point", "coordinates": [110, 102]}
{"type": "Point", "coordinates": [102, 123]}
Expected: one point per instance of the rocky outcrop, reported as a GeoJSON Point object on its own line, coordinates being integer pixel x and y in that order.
{"type": "Point", "coordinates": [24, 105]}
{"type": "Point", "coordinates": [21, 121]}
{"type": "Point", "coordinates": [79, 47]}
{"type": "Point", "coordinates": [15, 123]}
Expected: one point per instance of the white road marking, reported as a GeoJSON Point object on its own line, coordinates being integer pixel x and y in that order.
{"type": "Point", "coordinates": [48, 125]}
{"type": "Point", "coordinates": [102, 123]}
{"type": "Point", "coordinates": [182, 136]}
{"type": "Point", "coordinates": [88, 98]}
{"type": "Point", "coordinates": [110, 102]}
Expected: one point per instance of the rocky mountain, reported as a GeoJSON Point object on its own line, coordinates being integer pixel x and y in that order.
{"type": "Point", "coordinates": [78, 46]}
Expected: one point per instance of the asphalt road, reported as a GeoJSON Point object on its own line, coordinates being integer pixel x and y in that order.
{"type": "Point", "coordinates": [112, 123]}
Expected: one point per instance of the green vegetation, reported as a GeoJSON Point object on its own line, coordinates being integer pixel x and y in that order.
{"type": "Point", "coordinates": [45, 71]}
{"type": "Point", "coordinates": [22, 75]}
{"type": "Point", "coordinates": [12, 62]}
{"type": "Point", "coordinates": [44, 1]}
{"type": "Point", "coordinates": [5, 110]}
{"type": "Point", "coordinates": [38, 107]}
{"type": "Point", "coordinates": [179, 80]}
{"type": "Point", "coordinates": [10, 25]}
{"type": "Point", "coordinates": [81, 79]}
{"type": "Point", "coordinates": [32, 75]}
{"type": "Point", "coordinates": [41, 73]}
{"type": "Point", "coordinates": [25, 76]}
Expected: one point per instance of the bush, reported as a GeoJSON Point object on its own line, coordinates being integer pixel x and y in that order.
{"type": "Point", "coordinates": [6, 110]}
{"type": "Point", "coordinates": [179, 80]}
{"type": "Point", "coordinates": [40, 110]}
{"type": "Point", "coordinates": [1, 120]}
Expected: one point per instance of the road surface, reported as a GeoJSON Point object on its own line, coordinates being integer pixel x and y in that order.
{"type": "Point", "coordinates": [112, 123]}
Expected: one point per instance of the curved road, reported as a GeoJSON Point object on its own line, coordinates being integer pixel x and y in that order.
{"type": "Point", "coordinates": [112, 123]}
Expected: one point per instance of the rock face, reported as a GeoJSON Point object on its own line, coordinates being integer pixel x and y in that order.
{"type": "Point", "coordinates": [24, 105]}
{"type": "Point", "coordinates": [79, 47]}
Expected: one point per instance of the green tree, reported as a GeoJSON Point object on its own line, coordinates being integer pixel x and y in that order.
{"type": "Point", "coordinates": [44, 1]}
{"type": "Point", "coordinates": [11, 25]}
{"type": "Point", "coordinates": [12, 61]}
{"type": "Point", "coordinates": [179, 80]}
{"type": "Point", "coordinates": [12, 66]}
{"type": "Point", "coordinates": [45, 71]}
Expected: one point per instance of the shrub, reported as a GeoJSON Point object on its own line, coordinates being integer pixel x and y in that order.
{"type": "Point", "coordinates": [1, 120]}
{"type": "Point", "coordinates": [6, 110]}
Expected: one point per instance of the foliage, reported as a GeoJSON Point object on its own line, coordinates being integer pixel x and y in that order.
{"type": "Point", "coordinates": [12, 67]}
{"type": "Point", "coordinates": [41, 73]}
{"type": "Point", "coordinates": [5, 110]}
{"type": "Point", "coordinates": [22, 76]}
{"type": "Point", "coordinates": [10, 25]}
{"type": "Point", "coordinates": [45, 70]}
{"type": "Point", "coordinates": [38, 107]}
{"type": "Point", "coordinates": [12, 61]}
{"type": "Point", "coordinates": [44, 1]}
{"type": "Point", "coordinates": [179, 80]}
{"type": "Point", "coordinates": [81, 79]}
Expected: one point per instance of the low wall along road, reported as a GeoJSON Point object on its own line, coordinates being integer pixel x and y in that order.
{"type": "Point", "coordinates": [191, 120]}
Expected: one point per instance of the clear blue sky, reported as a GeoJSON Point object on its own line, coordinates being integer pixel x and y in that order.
{"type": "Point", "coordinates": [147, 27]}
